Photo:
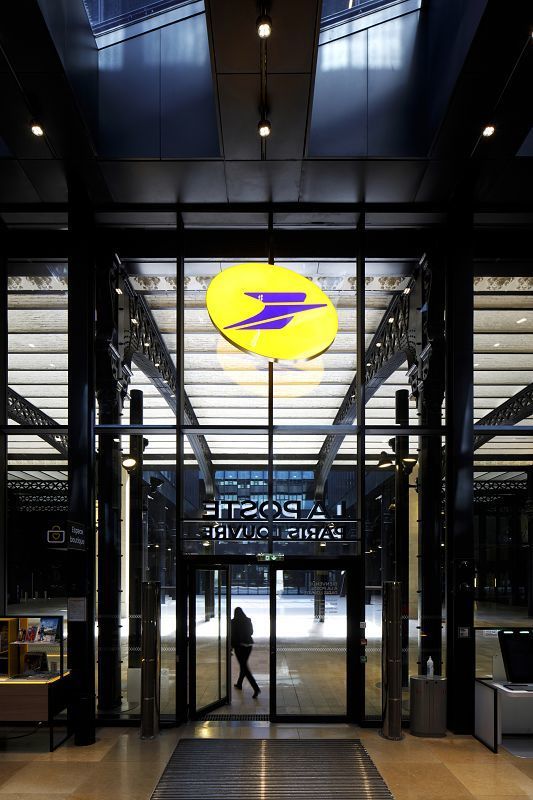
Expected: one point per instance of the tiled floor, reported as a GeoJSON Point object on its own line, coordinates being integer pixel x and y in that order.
{"type": "Point", "coordinates": [121, 766]}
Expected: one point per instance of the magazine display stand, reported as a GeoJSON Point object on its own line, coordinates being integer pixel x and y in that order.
{"type": "Point", "coordinates": [34, 683]}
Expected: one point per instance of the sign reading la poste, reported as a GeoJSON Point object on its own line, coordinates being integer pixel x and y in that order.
{"type": "Point", "coordinates": [271, 311]}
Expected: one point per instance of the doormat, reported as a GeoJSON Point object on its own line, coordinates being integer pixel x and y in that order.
{"type": "Point", "coordinates": [270, 769]}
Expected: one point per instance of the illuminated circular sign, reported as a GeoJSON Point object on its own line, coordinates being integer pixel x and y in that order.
{"type": "Point", "coordinates": [271, 311]}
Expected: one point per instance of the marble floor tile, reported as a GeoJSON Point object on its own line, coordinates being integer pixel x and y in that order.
{"type": "Point", "coordinates": [499, 777]}
{"type": "Point", "coordinates": [48, 778]}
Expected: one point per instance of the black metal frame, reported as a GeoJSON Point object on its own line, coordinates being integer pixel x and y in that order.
{"type": "Point", "coordinates": [194, 712]}
{"type": "Point", "coordinates": [359, 244]}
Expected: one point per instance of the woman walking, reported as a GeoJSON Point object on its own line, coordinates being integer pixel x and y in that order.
{"type": "Point", "coordinates": [241, 642]}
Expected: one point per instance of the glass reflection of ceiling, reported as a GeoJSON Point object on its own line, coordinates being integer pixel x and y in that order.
{"type": "Point", "coordinates": [337, 11]}
{"type": "Point", "coordinates": [105, 15]}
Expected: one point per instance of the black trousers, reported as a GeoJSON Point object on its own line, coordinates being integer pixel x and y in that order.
{"type": "Point", "coordinates": [243, 654]}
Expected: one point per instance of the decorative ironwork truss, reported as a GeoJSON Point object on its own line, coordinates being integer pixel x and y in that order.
{"type": "Point", "coordinates": [393, 343]}
{"type": "Point", "coordinates": [144, 346]}
{"type": "Point", "coordinates": [47, 496]}
{"type": "Point", "coordinates": [510, 412]}
{"type": "Point", "coordinates": [23, 412]}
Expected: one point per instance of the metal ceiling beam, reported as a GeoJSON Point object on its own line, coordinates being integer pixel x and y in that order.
{"type": "Point", "coordinates": [300, 207]}
{"type": "Point", "coordinates": [144, 346]}
{"type": "Point", "coordinates": [23, 412]}
{"type": "Point", "coordinates": [510, 412]}
{"type": "Point", "coordinates": [391, 345]}
{"type": "Point", "coordinates": [392, 244]}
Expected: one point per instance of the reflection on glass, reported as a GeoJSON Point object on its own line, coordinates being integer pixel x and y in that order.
{"type": "Point", "coordinates": [311, 642]}
{"type": "Point", "coordinates": [211, 638]}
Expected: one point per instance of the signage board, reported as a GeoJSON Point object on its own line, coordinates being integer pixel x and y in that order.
{"type": "Point", "coordinates": [76, 536]}
{"type": "Point", "coordinates": [271, 311]}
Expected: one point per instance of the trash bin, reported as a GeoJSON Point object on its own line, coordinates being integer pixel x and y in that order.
{"type": "Point", "coordinates": [428, 705]}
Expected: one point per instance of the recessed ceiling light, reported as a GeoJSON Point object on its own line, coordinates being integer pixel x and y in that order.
{"type": "Point", "coordinates": [118, 290]}
{"type": "Point", "coordinates": [368, 364]}
{"type": "Point", "coordinates": [521, 320]}
{"type": "Point", "coordinates": [264, 128]}
{"type": "Point", "coordinates": [391, 319]}
{"type": "Point", "coordinates": [31, 344]}
{"type": "Point", "coordinates": [496, 344]}
{"type": "Point", "coordinates": [37, 129]}
{"type": "Point", "coordinates": [488, 130]}
{"type": "Point", "coordinates": [264, 26]}
{"type": "Point", "coordinates": [378, 344]}
{"type": "Point", "coordinates": [407, 290]}
{"type": "Point", "coordinates": [134, 321]}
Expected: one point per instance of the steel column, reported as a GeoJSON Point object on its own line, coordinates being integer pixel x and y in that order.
{"type": "Point", "coordinates": [136, 531]}
{"type": "Point", "coordinates": [401, 523]}
{"type": "Point", "coordinates": [3, 422]}
{"type": "Point", "coordinates": [108, 369]}
{"type": "Point", "coordinates": [529, 514]}
{"type": "Point", "coordinates": [459, 476]}
{"type": "Point", "coordinates": [81, 418]}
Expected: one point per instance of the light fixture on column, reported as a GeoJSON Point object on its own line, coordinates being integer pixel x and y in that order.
{"type": "Point", "coordinates": [264, 26]}
{"type": "Point", "coordinates": [128, 462]}
{"type": "Point", "coordinates": [385, 460]}
{"type": "Point", "coordinates": [264, 128]}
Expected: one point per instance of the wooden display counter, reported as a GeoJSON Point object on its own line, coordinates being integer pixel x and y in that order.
{"type": "Point", "coordinates": [35, 700]}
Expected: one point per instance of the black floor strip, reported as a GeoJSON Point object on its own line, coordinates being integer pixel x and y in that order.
{"type": "Point", "coordinates": [235, 718]}
{"type": "Point", "coordinates": [270, 769]}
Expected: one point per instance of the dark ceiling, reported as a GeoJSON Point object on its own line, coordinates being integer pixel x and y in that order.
{"type": "Point", "coordinates": [467, 64]}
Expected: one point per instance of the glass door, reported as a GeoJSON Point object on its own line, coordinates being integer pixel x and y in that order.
{"type": "Point", "coordinates": [310, 636]}
{"type": "Point", "coordinates": [209, 609]}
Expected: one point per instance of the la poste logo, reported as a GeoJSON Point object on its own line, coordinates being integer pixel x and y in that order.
{"type": "Point", "coordinates": [271, 311]}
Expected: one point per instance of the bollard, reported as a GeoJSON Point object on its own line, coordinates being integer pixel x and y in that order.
{"type": "Point", "coordinates": [150, 658]}
{"type": "Point", "coordinates": [392, 660]}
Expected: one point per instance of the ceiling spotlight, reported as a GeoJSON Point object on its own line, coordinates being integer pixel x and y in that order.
{"type": "Point", "coordinates": [368, 364]}
{"type": "Point", "coordinates": [264, 26]}
{"type": "Point", "coordinates": [391, 320]}
{"type": "Point", "coordinates": [118, 290]}
{"type": "Point", "coordinates": [521, 320]}
{"type": "Point", "coordinates": [264, 128]}
{"type": "Point", "coordinates": [496, 344]}
{"type": "Point", "coordinates": [128, 462]}
{"type": "Point", "coordinates": [407, 290]}
{"type": "Point", "coordinates": [385, 460]}
{"type": "Point", "coordinates": [488, 130]}
{"type": "Point", "coordinates": [37, 129]}
{"type": "Point", "coordinates": [206, 543]}
{"type": "Point", "coordinates": [134, 321]}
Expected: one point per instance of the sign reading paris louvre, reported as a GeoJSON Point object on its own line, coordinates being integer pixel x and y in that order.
{"type": "Point", "coordinates": [271, 311]}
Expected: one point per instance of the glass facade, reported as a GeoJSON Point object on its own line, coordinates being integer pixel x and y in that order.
{"type": "Point", "coordinates": [294, 490]}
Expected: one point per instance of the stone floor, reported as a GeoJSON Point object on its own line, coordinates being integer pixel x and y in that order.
{"type": "Point", "coordinates": [123, 767]}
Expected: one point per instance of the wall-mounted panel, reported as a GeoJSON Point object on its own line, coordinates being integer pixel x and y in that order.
{"type": "Point", "coordinates": [339, 118]}
{"type": "Point", "coordinates": [129, 74]}
{"type": "Point", "coordinates": [188, 115]}
{"type": "Point", "coordinates": [396, 95]}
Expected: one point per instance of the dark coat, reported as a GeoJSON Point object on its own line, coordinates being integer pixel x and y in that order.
{"type": "Point", "coordinates": [241, 631]}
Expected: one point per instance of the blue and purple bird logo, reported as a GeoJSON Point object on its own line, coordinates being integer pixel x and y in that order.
{"type": "Point", "coordinates": [279, 309]}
